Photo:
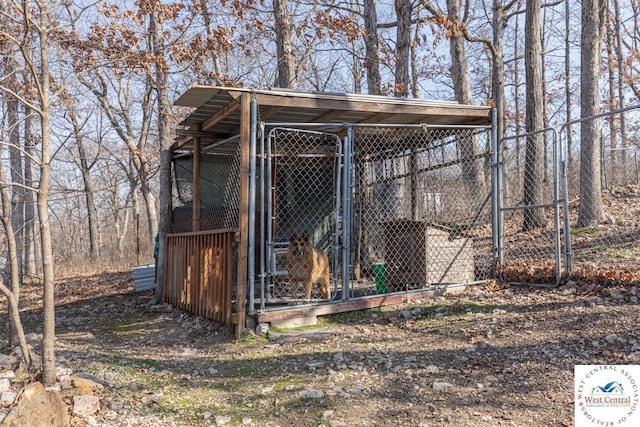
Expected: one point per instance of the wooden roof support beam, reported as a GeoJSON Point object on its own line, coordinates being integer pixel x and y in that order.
{"type": "Point", "coordinates": [220, 115]}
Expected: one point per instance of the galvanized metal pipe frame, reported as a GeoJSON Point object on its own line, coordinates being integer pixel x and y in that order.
{"type": "Point", "coordinates": [346, 201]}
{"type": "Point", "coordinates": [555, 203]}
{"type": "Point", "coordinates": [563, 171]}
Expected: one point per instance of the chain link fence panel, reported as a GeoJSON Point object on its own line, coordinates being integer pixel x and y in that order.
{"type": "Point", "coordinates": [531, 209]}
{"type": "Point", "coordinates": [421, 208]}
{"type": "Point", "coordinates": [603, 194]}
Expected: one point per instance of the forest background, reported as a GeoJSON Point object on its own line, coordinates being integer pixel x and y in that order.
{"type": "Point", "coordinates": [86, 91]}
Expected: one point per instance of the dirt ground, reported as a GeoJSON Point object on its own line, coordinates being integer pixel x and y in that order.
{"type": "Point", "coordinates": [493, 356]}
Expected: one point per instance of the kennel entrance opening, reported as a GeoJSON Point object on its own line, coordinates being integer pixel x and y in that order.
{"type": "Point", "coordinates": [300, 192]}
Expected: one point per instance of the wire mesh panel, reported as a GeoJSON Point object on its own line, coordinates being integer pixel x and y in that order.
{"type": "Point", "coordinates": [301, 184]}
{"type": "Point", "coordinates": [530, 210]}
{"type": "Point", "coordinates": [603, 192]}
{"type": "Point", "coordinates": [219, 193]}
{"type": "Point", "coordinates": [421, 208]}
{"type": "Point", "coordinates": [219, 189]}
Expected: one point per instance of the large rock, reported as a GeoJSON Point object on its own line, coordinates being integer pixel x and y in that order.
{"type": "Point", "coordinates": [37, 407]}
{"type": "Point", "coordinates": [7, 361]}
{"type": "Point", "coordinates": [85, 406]}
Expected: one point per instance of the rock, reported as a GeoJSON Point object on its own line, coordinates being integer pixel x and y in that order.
{"type": "Point", "coordinates": [246, 421]}
{"type": "Point", "coordinates": [85, 405]}
{"type": "Point", "coordinates": [441, 385]}
{"type": "Point", "coordinates": [115, 405]}
{"type": "Point", "coordinates": [616, 294]}
{"type": "Point", "coordinates": [151, 398]}
{"type": "Point", "coordinates": [7, 398]}
{"type": "Point", "coordinates": [406, 314]}
{"type": "Point", "coordinates": [161, 308]}
{"type": "Point", "coordinates": [222, 420]}
{"type": "Point", "coordinates": [97, 381]}
{"type": "Point", "coordinates": [83, 386]}
{"type": "Point", "coordinates": [431, 369]}
{"type": "Point", "coordinates": [311, 394]}
{"type": "Point", "coordinates": [7, 361]}
{"type": "Point", "coordinates": [262, 328]}
{"type": "Point", "coordinates": [33, 338]}
{"type": "Point", "coordinates": [5, 384]}
{"type": "Point", "coordinates": [315, 365]}
{"type": "Point", "coordinates": [36, 406]}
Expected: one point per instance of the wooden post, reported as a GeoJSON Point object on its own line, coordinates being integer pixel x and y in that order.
{"type": "Point", "coordinates": [243, 211]}
{"type": "Point", "coordinates": [195, 225]}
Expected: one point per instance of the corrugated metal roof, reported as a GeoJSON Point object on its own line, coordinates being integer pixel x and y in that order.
{"type": "Point", "coordinates": [220, 105]}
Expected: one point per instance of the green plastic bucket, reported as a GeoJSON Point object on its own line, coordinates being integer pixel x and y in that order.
{"type": "Point", "coordinates": [378, 276]}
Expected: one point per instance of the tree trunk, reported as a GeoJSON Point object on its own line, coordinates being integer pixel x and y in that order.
{"type": "Point", "coordinates": [534, 153]}
{"type": "Point", "coordinates": [215, 62]}
{"type": "Point", "coordinates": [17, 178]}
{"type": "Point", "coordinates": [164, 133]}
{"type": "Point", "coordinates": [593, 19]}
{"type": "Point", "coordinates": [30, 269]}
{"type": "Point", "coordinates": [567, 82]}
{"type": "Point", "coordinates": [286, 73]}
{"type": "Point", "coordinates": [611, 169]}
{"type": "Point", "coordinates": [497, 83]}
{"type": "Point", "coordinates": [403, 44]}
{"type": "Point", "coordinates": [13, 294]}
{"type": "Point", "coordinates": [49, 324]}
{"type": "Point", "coordinates": [516, 95]}
{"type": "Point", "coordinates": [85, 170]}
{"type": "Point", "coordinates": [371, 43]}
{"type": "Point", "coordinates": [468, 145]}
{"type": "Point", "coordinates": [624, 142]}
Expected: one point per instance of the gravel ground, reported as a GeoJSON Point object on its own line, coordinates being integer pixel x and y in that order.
{"type": "Point", "coordinates": [493, 356]}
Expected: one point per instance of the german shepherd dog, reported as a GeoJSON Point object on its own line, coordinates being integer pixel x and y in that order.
{"type": "Point", "coordinates": [308, 265]}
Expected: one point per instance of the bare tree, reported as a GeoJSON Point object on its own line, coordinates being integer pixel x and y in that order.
{"type": "Point", "coordinates": [286, 71]}
{"type": "Point", "coordinates": [404, 11]}
{"type": "Point", "coordinates": [372, 45]}
{"type": "Point", "coordinates": [593, 25]}
{"type": "Point", "coordinates": [534, 153]}
{"type": "Point", "coordinates": [86, 164]}
{"type": "Point", "coordinates": [33, 22]}
{"type": "Point", "coordinates": [468, 147]}
{"type": "Point", "coordinates": [162, 88]}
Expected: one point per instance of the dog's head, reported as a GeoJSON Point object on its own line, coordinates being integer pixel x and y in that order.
{"type": "Point", "coordinates": [298, 244]}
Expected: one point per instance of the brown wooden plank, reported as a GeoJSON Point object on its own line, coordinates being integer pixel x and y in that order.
{"type": "Point", "coordinates": [326, 309]}
{"type": "Point", "coordinates": [373, 106]}
{"type": "Point", "coordinates": [220, 115]}
{"type": "Point", "coordinates": [243, 212]}
{"type": "Point", "coordinates": [228, 278]}
{"type": "Point", "coordinates": [195, 220]}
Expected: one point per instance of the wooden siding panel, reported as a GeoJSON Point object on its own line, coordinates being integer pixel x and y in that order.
{"type": "Point", "coordinates": [198, 277]}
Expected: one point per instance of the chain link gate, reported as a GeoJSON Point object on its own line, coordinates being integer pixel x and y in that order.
{"type": "Point", "coordinates": [395, 208]}
{"type": "Point", "coordinates": [531, 206]}
{"type": "Point", "coordinates": [606, 249]}
{"type": "Point", "coordinates": [300, 184]}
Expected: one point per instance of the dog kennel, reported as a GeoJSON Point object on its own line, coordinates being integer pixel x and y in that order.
{"type": "Point", "coordinates": [402, 187]}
